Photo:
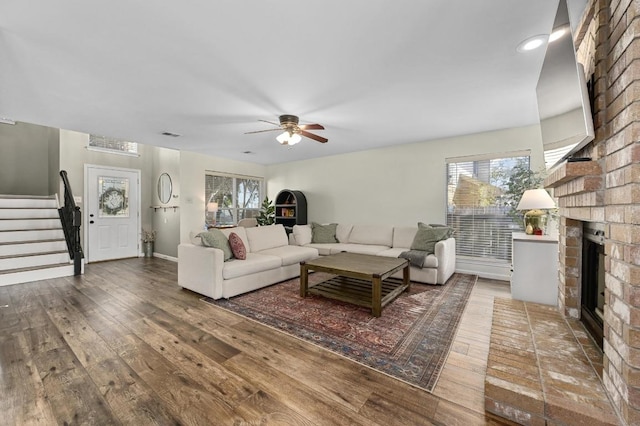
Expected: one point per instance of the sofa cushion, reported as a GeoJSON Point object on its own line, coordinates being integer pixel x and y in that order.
{"type": "Point", "coordinates": [216, 239]}
{"type": "Point", "coordinates": [252, 264]}
{"type": "Point", "coordinates": [266, 237]}
{"type": "Point", "coordinates": [292, 254]}
{"type": "Point", "coordinates": [240, 232]}
{"type": "Point", "coordinates": [427, 237]}
{"type": "Point", "coordinates": [322, 234]}
{"type": "Point", "coordinates": [302, 234]}
{"type": "Point", "coordinates": [372, 234]}
{"type": "Point", "coordinates": [343, 231]}
{"type": "Point", "coordinates": [237, 246]}
{"type": "Point", "coordinates": [359, 248]}
{"type": "Point", "coordinates": [403, 236]}
{"type": "Point", "coordinates": [431, 260]}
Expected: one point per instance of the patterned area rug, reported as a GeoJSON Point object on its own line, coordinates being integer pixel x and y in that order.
{"type": "Point", "coordinates": [410, 341]}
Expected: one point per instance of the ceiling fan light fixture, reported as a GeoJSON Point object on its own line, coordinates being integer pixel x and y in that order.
{"type": "Point", "coordinates": [283, 138]}
{"type": "Point", "coordinates": [294, 139]}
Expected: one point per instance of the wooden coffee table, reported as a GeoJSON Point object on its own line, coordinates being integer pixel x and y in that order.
{"type": "Point", "coordinates": [360, 279]}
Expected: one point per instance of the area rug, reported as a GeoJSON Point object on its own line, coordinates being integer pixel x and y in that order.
{"type": "Point", "coordinates": [410, 341]}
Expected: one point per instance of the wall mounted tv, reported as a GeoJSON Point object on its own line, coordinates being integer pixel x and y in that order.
{"type": "Point", "coordinates": [563, 97]}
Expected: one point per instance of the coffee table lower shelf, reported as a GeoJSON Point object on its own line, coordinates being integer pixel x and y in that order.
{"type": "Point", "coordinates": [356, 291]}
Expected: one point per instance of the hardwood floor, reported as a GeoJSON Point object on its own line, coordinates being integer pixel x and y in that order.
{"type": "Point", "coordinates": [123, 344]}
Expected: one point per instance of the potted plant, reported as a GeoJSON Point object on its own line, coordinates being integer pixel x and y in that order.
{"type": "Point", "coordinates": [148, 237]}
{"type": "Point", "coordinates": [267, 213]}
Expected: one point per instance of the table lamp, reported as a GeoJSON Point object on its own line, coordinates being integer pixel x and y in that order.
{"type": "Point", "coordinates": [535, 201]}
{"type": "Point", "coordinates": [212, 208]}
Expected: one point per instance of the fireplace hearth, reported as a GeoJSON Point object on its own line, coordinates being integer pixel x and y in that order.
{"type": "Point", "coordinates": [592, 278]}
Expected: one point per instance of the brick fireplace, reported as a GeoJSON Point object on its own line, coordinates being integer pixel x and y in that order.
{"type": "Point", "coordinates": [606, 190]}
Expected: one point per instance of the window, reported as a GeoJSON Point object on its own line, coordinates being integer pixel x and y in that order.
{"type": "Point", "coordinates": [477, 207]}
{"type": "Point", "coordinates": [118, 146]}
{"type": "Point", "coordinates": [238, 197]}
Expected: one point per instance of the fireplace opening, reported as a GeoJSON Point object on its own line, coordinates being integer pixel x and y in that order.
{"type": "Point", "coordinates": [592, 306]}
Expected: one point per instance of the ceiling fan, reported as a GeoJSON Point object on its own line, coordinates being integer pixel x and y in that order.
{"type": "Point", "coordinates": [293, 131]}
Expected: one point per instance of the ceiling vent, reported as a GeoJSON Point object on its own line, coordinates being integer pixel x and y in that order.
{"type": "Point", "coordinates": [173, 135]}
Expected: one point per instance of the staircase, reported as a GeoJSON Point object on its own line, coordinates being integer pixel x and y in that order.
{"type": "Point", "coordinates": [32, 244]}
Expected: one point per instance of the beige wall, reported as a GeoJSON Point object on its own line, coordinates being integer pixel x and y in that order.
{"type": "Point", "coordinates": [24, 159]}
{"type": "Point", "coordinates": [166, 221]}
{"type": "Point", "coordinates": [399, 185]}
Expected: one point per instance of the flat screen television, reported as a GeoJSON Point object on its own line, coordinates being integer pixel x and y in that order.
{"type": "Point", "coordinates": [563, 98]}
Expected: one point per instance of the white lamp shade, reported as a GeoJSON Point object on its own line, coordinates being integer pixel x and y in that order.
{"type": "Point", "coordinates": [212, 207]}
{"type": "Point", "coordinates": [294, 139]}
{"type": "Point", "coordinates": [283, 138]}
{"type": "Point", "coordinates": [536, 199]}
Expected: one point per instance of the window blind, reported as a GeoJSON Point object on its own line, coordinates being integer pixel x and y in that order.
{"type": "Point", "coordinates": [476, 206]}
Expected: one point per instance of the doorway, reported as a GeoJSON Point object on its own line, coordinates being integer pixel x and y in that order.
{"type": "Point", "coordinates": [112, 213]}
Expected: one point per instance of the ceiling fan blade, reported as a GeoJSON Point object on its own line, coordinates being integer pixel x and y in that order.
{"type": "Point", "coordinates": [260, 131]}
{"type": "Point", "coordinates": [311, 127]}
{"type": "Point", "coordinates": [314, 137]}
{"type": "Point", "coordinates": [270, 122]}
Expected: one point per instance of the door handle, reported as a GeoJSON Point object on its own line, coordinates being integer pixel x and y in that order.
{"type": "Point", "coordinates": [90, 221]}
{"type": "Point", "coordinates": [91, 215]}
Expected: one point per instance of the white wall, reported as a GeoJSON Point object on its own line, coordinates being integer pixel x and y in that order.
{"type": "Point", "coordinates": [192, 171]}
{"type": "Point", "coordinates": [398, 185]}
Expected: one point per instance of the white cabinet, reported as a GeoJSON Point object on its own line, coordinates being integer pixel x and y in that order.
{"type": "Point", "coordinates": [535, 268]}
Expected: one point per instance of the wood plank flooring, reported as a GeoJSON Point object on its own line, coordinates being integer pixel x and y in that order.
{"type": "Point", "coordinates": [123, 344]}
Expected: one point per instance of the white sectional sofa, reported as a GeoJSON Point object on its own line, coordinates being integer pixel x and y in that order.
{"type": "Point", "coordinates": [269, 259]}
{"type": "Point", "coordinates": [384, 240]}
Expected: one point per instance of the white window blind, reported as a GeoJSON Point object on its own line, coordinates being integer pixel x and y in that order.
{"type": "Point", "coordinates": [476, 207]}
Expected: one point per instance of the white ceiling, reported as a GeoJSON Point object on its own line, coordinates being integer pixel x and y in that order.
{"type": "Point", "coordinates": [373, 72]}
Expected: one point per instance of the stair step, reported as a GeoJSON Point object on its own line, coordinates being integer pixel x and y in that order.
{"type": "Point", "coordinates": [33, 260]}
{"type": "Point", "coordinates": [31, 235]}
{"type": "Point", "coordinates": [28, 213]}
{"type": "Point", "coordinates": [22, 248]}
{"type": "Point", "coordinates": [21, 201]}
{"type": "Point", "coordinates": [32, 254]}
{"type": "Point", "coordinates": [26, 224]}
{"type": "Point", "coordinates": [25, 275]}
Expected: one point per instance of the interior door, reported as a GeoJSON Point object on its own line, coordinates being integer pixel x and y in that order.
{"type": "Point", "coordinates": [113, 213]}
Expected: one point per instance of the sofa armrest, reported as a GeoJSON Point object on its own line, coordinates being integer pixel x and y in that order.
{"type": "Point", "coordinates": [200, 269]}
{"type": "Point", "coordinates": [445, 252]}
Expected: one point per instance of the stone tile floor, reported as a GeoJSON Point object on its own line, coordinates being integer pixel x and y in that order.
{"type": "Point", "coordinates": [544, 368]}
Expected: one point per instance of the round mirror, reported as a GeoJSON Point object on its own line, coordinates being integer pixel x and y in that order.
{"type": "Point", "coordinates": [164, 188]}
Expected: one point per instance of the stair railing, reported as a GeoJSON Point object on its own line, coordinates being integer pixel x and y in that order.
{"type": "Point", "coordinates": [71, 222]}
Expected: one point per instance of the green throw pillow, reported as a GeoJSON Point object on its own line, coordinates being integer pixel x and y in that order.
{"type": "Point", "coordinates": [427, 237]}
{"type": "Point", "coordinates": [323, 233]}
{"type": "Point", "coordinates": [215, 238]}
{"type": "Point", "coordinates": [437, 225]}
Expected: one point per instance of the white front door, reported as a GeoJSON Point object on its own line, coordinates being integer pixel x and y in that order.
{"type": "Point", "coordinates": [112, 213]}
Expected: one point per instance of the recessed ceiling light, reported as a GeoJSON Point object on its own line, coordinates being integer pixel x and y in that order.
{"type": "Point", "coordinates": [559, 32]}
{"type": "Point", "coordinates": [173, 135]}
{"type": "Point", "coordinates": [532, 43]}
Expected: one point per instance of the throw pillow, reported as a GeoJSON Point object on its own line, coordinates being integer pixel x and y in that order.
{"type": "Point", "coordinates": [427, 237]}
{"type": "Point", "coordinates": [237, 246]}
{"type": "Point", "coordinates": [437, 225]}
{"type": "Point", "coordinates": [323, 233]}
{"type": "Point", "coordinates": [216, 239]}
